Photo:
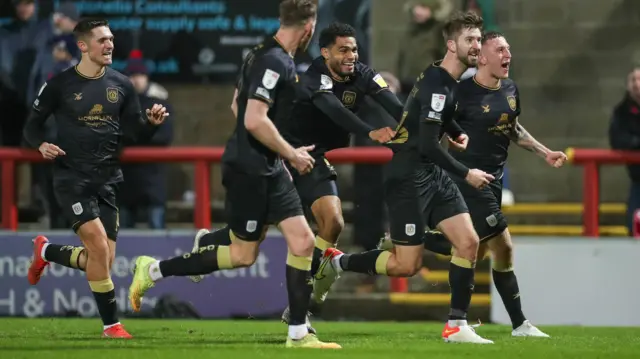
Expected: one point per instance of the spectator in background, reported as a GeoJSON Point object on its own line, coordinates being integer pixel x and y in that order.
{"type": "Point", "coordinates": [422, 42]}
{"type": "Point", "coordinates": [17, 56]}
{"type": "Point", "coordinates": [56, 29]}
{"type": "Point", "coordinates": [144, 187]}
{"type": "Point", "coordinates": [624, 134]}
{"type": "Point", "coordinates": [65, 54]}
{"type": "Point", "coordinates": [484, 8]}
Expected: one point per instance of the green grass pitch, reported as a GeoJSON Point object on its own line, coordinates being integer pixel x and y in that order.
{"type": "Point", "coordinates": [200, 339]}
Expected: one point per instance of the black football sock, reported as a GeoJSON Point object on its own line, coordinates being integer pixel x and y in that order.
{"type": "Point", "coordinates": [370, 262]}
{"type": "Point", "coordinates": [221, 237]}
{"type": "Point", "coordinates": [105, 296]}
{"type": "Point", "coordinates": [317, 258]}
{"type": "Point", "coordinates": [299, 287]}
{"type": "Point", "coordinates": [507, 285]}
{"type": "Point", "coordinates": [318, 252]}
{"type": "Point", "coordinates": [461, 279]}
{"type": "Point", "coordinates": [67, 256]}
{"type": "Point", "coordinates": [209, 259]}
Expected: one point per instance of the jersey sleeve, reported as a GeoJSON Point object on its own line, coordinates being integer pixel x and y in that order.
{"type": "Point", "coordinates": [518, 104]}
{"type": "Point", "coordinates": [313, 83]}
{"type": "Point", "coordinates": [433, 99]}
{"type": "Point", "coordinates": [329, 104]}
{"type": "Point", "coordinates": [375, 82]}
{"type": "Point", "coordinates": [44, 106]}
{"type": "Point", "coordinates": [265, 74]}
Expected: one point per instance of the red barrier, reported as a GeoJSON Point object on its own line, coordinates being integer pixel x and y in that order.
{"type": "Point", "coordinates": [201, 157]}
{"type": "Point", "coordinates": [591, 160]}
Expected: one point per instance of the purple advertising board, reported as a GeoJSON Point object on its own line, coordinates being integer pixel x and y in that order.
{"type": "Point", "coordinates": [254, 291]}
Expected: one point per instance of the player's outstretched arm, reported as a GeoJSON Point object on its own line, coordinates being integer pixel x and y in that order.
{"type": "Point", "coordinates": [379, 91]}
{"type": "Point", "coordinates": [390, 103]}
{"type": "Point", "coordinates": [329, 104]}
{"type": "Point", "coordinates": [521, 137]}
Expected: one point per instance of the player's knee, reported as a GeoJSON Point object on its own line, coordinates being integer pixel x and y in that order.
{"type": "Point", "coordinates": [468, 246]}
{"type": "Point", "coordinates": [96, 245]}
{"type": "Point", "coordinates": [404, 265]}
{"type": "Point", "coordinates": [406, 269]}
{"type": "Point", "coordinates": [302, 247]}
{"type": "Point", "coordinates": [242, 256]}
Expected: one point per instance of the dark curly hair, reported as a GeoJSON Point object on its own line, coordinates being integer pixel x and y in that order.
{"type": "Point", "coordinates": [337, 29]}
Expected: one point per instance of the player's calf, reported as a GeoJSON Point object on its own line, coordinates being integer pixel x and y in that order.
{"type": "Point", "coordinates": [460, 232]}
{"type": "Point", "coordinates": [300, 242]}
{"type": "Point", "coordinates": [45, 252]}
{"type": "Point", "coordinates": [504, 278]}
{"type": "Point", "coordinates": [66, 255]}
{"type": "Point", "coordinates": [147, 270]}
{"type": "Point", "coordinates": [328, 214]}
{"type": "Point", "coordinates": [95, 240]}
{"type": "Point", "coordinates": [405, 261]}
{"type": "Point", "coordinates": [506, 283]}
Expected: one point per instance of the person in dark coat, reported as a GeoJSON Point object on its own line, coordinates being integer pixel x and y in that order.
{"type": "Point", "coordinates": [144, 189]}
{"type": "Point", "coordinates": [624, 134]}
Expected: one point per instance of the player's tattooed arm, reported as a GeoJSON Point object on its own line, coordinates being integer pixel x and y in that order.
{"type": "Point", "coordinates": [521, 137]}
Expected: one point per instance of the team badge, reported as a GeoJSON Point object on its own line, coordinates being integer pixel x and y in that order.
{"type": "Point", "coordinates": [410, 229]}
{"type": "Point", "coordinates": [348, 98]}
{"type": "Point", "coordinates": [252, 226]}
{"type": "Point", "coordinates": [512, 102]}
{"type": "Point", "coordinates": [112, 94]}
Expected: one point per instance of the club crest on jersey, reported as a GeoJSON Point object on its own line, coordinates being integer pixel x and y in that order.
{"type": "Point", "coordinates": [252, 226]}
{"type": "Point", "coordinates": [512, 102]}
{"type": "Point", "coordinates": [112, 94]}
{"type": "Point", "coordinates": [410, 229]}
{"type": "Point", "coordinates": [437, 102]}
{"type": "Point", "coordinates": [348, 98]}
{"type": "Point", "coordinates": [270, 79]}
